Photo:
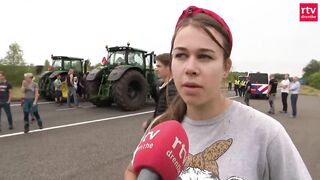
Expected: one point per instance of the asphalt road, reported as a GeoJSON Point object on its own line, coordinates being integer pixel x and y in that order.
{"type": "Point", "coordinates": [97, 143]}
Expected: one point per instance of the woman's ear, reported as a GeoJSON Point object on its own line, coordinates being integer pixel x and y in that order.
{"type": "Point", "coordinates": [227, 67]}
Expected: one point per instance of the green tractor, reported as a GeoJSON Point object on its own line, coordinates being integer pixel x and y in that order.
{"type": "Point", "coordinates": [60, 66]}
{"type": "Point", "coordinates": [127, 78]}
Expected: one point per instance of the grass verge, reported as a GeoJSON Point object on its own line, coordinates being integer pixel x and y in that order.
{"type": "Point", "coordinates": [309, 91]}
{"type": "Point", "coordinates": [16, 94]}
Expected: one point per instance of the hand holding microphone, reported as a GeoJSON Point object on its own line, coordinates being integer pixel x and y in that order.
{"type": "Point", "coordinates": [162, 152]}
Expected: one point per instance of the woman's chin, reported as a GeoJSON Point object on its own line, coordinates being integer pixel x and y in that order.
{"type": "Point", "coordinates": [192, 100]}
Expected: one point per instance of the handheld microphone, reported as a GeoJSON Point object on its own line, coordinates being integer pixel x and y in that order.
{"type": "Point", "coordinates": [162, 152]}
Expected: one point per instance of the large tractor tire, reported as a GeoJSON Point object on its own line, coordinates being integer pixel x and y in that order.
{"type": "Point", "coordinates": [51, 94]}
{"type": "Point", "coordinates": [92, 88]}
{"type": "Point", "coordinates": [42, 86]}
{"type": "Point", "coordinates": [130, 91]}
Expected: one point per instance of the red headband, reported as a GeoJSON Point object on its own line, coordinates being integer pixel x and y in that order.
{"type": "Point", "coordinates": [193, 10]}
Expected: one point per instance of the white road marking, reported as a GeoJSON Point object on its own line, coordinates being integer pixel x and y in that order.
{"type": "Point", "coordinates": [79, 123]}
{"type": "Point", "coordinates": [65, 109]}
{"type": "Point", "coordinates": [14, 105]}
{"type": "Point", "coordinates": [81, 107]}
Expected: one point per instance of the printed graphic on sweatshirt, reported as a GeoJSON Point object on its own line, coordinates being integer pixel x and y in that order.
{"type": "Point", "coordinates": [204, 164]}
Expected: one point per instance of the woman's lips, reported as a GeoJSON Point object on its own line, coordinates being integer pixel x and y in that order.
{"type": "Point", "coordinates": [191, 88]}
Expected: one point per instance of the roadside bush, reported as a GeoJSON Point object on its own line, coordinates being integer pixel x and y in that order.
{"type": "Point", "coordinates": [314, 80]}
{"type": "Point", "coordinates": [14, 74]}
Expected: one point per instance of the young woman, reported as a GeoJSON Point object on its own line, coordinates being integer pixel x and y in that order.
{"type": "Point", "coordinates": [227, 140]}
{"type": "Point", "coordinates": [30, 105]}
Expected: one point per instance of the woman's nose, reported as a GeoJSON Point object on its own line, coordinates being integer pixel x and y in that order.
{"type": "Point", "coordinates": [191, 66]}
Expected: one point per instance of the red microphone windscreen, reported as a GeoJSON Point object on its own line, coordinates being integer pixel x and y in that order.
{"type": "Point", "coordinates": [163, 149]}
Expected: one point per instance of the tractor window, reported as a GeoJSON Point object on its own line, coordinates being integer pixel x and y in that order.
{"type": "Point", "coordinates": [67, 65]}
{"type": "Point", "coordinates": [135, 58]}
{"type": "Point", "coordinates": [57, 65]}
{"type": "Point", "coordinates": [148, 62]}
{"type": "Point", "coordinates": [150, 59]}
{"type": "Point", "coordinates": [117, 57]}
{"type": "Point", "coordinates": [77, 66]}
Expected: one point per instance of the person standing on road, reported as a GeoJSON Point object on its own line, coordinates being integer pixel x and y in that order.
{"type": "Point", "coordinates": [271, 94]}
{"type": "Point", "coordinates": [284, 85]}
{"type": "Point", "coordinates": [5, 98]}
{"type": "Point", "coordinates": [236, 86]}
{"type": "Point", "coordinates": [30, 93]}
{"type": "Point", "coordinates": [247, 91]}
{"type": "Point", "coordinates": [167, 90]}
{"type": "Point", "coordinates": [229, 85]}
{"type": "Point", "coordinates": [71, 88]}
{"type": "Point", "coordinates": [227, 139]}
{"type": "Point", "coordinates": [294, 90]}
{"type": "Point", "coordinates": [57, 88]}
{"type": "Point", "coordinates": [243, 87]}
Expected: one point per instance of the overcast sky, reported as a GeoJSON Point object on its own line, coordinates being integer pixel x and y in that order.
{"type": "Point", "coordinates": [268, 36]}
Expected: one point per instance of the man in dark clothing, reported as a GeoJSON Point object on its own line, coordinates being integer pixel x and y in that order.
{"type": "Point", "coordinates": [166, 94]}
{"type": "Point", "coordinates": [5, 98]}
{"type": "Point", "coordinates": [272, 91]}
{"type": "Point", "coordinates": [229, 85]}
{"type": "Point", "coordinates": [166, 90]}
{"type": "Point", "coordinates": [247, 92]}
{"type": "Point", "coordinates": [236, 86]}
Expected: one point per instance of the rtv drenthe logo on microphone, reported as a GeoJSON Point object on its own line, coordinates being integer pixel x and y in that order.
{"type": "Point", "coordinates": [147, 142]}
{"type": "Point", "coordinates": [308, 12]}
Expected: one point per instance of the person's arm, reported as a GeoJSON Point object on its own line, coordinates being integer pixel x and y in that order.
{"type": "Point", "coordinates": [249, 87]}
{"type": "Point", "coordinates": [36, 95]}
{"type": "Point", "coordinates": [23, 88]}
{"type": "Point", "coordinates": [284, 160]}
{"type": "Point", "coordinates": [281, 84]}
{"type": "Point", "coordinates": [129, 173]}
{"type": "Point", "coordinates": [10, 94]}
{"type": "Point", "coordinates": [71, 78]}
{"type": "Point", "coordinates": [293, 87]}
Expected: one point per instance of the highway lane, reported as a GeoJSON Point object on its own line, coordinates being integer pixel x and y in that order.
{"type": "Point", "coordinates": [84, 151]}
{"type": "Point", "coordinates": [101, 150]}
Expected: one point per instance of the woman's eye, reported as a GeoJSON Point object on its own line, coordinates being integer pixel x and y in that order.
{"type": "Point", "coordinates": [205, 57]}
{"type": "Point", "coordinates": [180, 56]}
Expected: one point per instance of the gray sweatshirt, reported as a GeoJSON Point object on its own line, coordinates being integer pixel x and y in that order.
{"type": "Point", "coordinates": [241, 143]}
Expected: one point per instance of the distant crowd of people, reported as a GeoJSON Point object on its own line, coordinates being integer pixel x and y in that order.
{"type": "Point", "coordinates": [286, 87]}
{"type": "Point", "coordinates": [243, 88]}
{"type": "Point", "coordinates": [30, 97]}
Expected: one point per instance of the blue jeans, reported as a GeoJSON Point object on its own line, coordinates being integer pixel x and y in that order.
{"type": "Point", "coordinates": [28, 108]}
{"type": "Point", "coordinates": [294, 99]}
{"type": "Point", "coordinates": [72, 92]}
{"type": "Point", "coordinates": [6, 108]}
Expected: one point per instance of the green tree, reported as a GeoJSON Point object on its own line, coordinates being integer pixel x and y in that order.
{"type": "Point", "coordinates": [315, 80]}
{"type": "Point", "coordinates": [312, 67]}
{"type": "Point", "coordinates": [14, 56]}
